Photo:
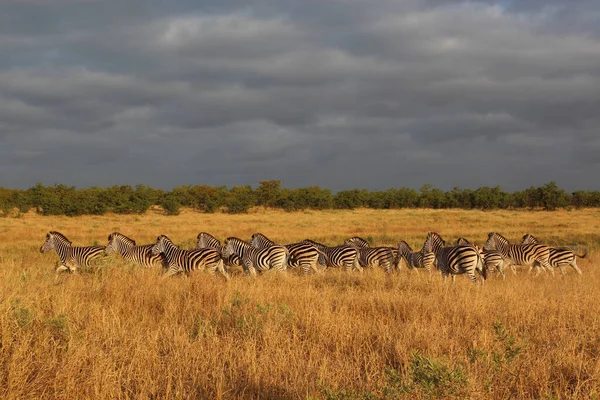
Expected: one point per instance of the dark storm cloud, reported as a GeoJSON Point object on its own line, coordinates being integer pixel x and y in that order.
{"type": "Point", "coordinates": [341, 94]}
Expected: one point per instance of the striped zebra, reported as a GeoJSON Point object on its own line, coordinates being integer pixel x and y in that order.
{"type": "Point", "coordinates": [492, 259]}
{"type": "Point", "coordinates": [186, 261]}
{"type": "Point", "coordinates": [558, 257]}
{"type": "Point", "coordinates": [302, 255]}
{"type": "Point", "coordinates": [422, 259]}
{"type": "Point", "coordinates": [71, 257]}
{"type": "Point", "coordinates": [206, 240]}
{"type": "Point", "coordinates": [455, 260]}
{"type": "Point", "coordinates": [370, 257]}
{"type": "Point", "coordinates": [141, 255]}
{"type": "Point", "coordinates": [337, 256]}
{"type": "Point", "coordinates": [534, 255]}
{"type": "Point", "coordinates": [274, 258]}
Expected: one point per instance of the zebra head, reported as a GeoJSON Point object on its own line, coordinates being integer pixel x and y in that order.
{"type": "Point", "coordinates": [228, 249]}
{"type": "Point", "coordinates": [434, 242]}
{"type": "Point", "coordinates": [162, 242]}
{"type": "Point", "coordinates": [52, 239]}
{"type": "Point", "coordinates": [115, 239]}
{"type": "Point", "coordinates": [529, 239]}
{"type": "Point", "coordinates": [495, 241]}
{"type": "Point", "coordinates": [206, 240]}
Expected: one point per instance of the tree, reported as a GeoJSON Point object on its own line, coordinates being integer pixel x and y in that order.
{"type": "Point", "coordinates": [267, 193]}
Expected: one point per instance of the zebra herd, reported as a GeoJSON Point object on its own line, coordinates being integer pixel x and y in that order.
{"type": "Point", "coordinates": [261, 254]}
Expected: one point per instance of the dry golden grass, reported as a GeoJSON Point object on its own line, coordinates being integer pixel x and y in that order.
{"type": "Point", "coordinates": [124, 332]}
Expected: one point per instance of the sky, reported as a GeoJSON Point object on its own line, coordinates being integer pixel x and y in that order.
{"type": "Point", "coordinates": [341, 94]}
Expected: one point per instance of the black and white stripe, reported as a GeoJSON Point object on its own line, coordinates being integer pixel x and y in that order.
{"type": "Point", "coordinates": [205, 240]}
{"type": "Point", "coordinates": [186, 261]}
{"type": "Point", "coordinates": [371, 257]}
{"type": "Point", "coordinates": [71, 257]}
{"type": "Point", "coordinates": [302, 255]}
{"type": "Point", "coordinates": [421, 259]}
{"type": "Point", "coordinates": [533, 255]}
{"type": "Point", "coordinates": [492, 259]}
{"type": "Point", "coordinates": [273, 258]}
{"type": "Point", "coordinates": [558, 257]}
{"type": "Point", "coordinates": [127, 248]}
{"type": "Point", "coordinates": [455, 260]}
{"type": "Point", "coordinates": [337, 256]}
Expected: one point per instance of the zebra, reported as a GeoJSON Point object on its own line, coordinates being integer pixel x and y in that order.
{"type": "Point", "coordinates": [206, 240]}
{"type": "Point", "coordinates": [558, 257]}
{"type": "Point", "coordinates": [71, 257]}
{"type": "Point", "coordinates": [273, 258]}
{"type": "Point", "coordinates": [492, 259]}
{"type": "Point", "coordinates": [302, 255]}
{"type": "Point", "coordinates": [535, 255]}
{"type": "Point", "coordinates": [455, 260]}
{"type": "Point", "coordinates": [337, 256]}
{"type": "Point", "coordinates": [372, 256]}
{"type": "Point", "coordinates": [423, 258]}
{"type": "Point", "coordinates": [186, 261]}
{"type": "Point", "coordinates": [141, 255]}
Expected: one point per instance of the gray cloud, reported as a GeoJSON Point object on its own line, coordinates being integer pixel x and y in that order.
{"type": "Point", "coordinates": [338, 94]}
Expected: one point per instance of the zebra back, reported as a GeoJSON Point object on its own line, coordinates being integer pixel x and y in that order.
{"type": "Point", "coordinates": [357, 242]}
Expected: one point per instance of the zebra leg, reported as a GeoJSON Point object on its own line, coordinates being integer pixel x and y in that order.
{"type": "Point", "coordinates": [62, 268]}
{"type": "Point", "coordinates": [221, 269]}
{"type": "Point", "coordinates": [549, 268]}
{"type": "Point", "coordinates": [500, 269]}
{"type": "Point", "coordinates": [472, 277]}
{"type": "Point", "coordinates": [356, 265]}
{"type": "Point", "coordinates": [575, 267]}
{"type": "Point", "coordinates": [172, 271]}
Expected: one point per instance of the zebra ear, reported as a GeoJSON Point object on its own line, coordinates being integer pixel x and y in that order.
{"type": "Point", "coordinates": [490, 234]}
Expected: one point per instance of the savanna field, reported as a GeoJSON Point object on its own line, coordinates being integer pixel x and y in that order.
{"type": "Point", "coordinates": [121, 331]}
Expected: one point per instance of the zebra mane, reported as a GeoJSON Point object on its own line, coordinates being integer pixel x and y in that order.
{"type": "Point", "coordinates": [356, 241]}
{"type": "Point", "coordinates": [234, 239]}
{"type": "Point", "coordinates": [122, 237]}
{"type": "Point", "coordinates": [404, 244]}
{"type": "Point", "coordinates": [314, 243]}
{"type": "Point", "coordinates": [529, 239]}
{"type": "Point", "coordinates": [261, 235]}
{"type": "Point", "coordinates": [166, 239]}
{"type": "Point", "coordinates": [499, 237]}
{"type": "Point", "coordinates": [59, 235]}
